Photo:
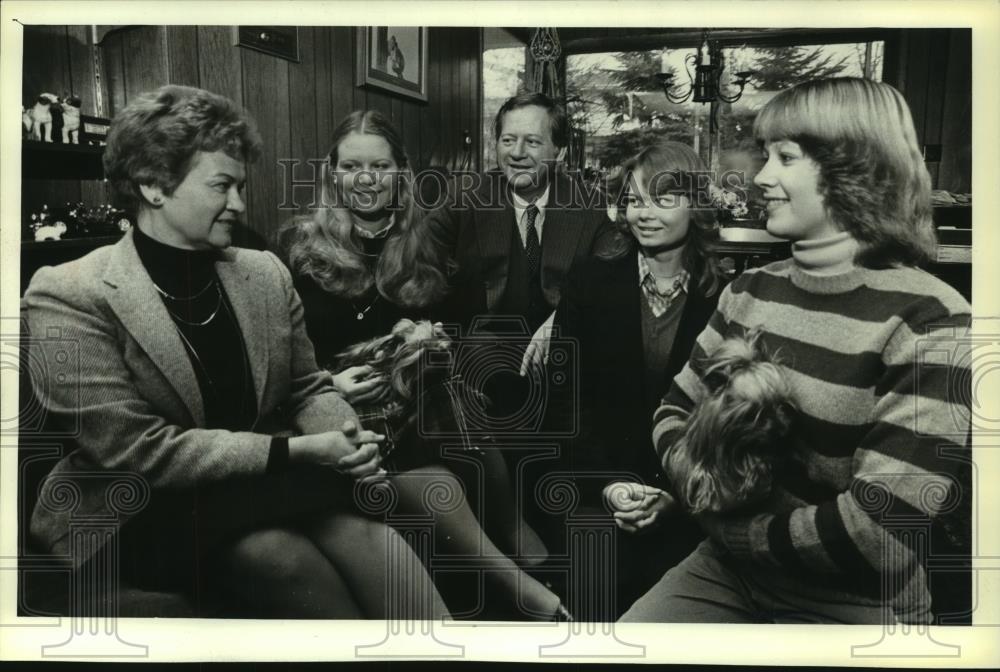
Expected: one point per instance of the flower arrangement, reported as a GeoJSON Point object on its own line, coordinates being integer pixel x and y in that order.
{"type": "Point", "coordinates": [731, 206]}
{"type": "Point", "coordinates": [739, 208]}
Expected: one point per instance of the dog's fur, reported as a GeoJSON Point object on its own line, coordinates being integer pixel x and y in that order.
{"type": "Point", "coordinates": [398, 357]}
{"type": "Point", "coordinates": [736, 433]}
{"type": "Point", "coordinates": [420, 395]}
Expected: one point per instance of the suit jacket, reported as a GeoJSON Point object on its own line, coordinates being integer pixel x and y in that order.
{"type": "Point", "coordinates": [115, 374]}
{"type": "Point", "coordinates": [601, 311]}
{"type": "Point", "coordinates": [476, 227]}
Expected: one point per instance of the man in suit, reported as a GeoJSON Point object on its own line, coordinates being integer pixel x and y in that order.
{"type": "Point", "coordinates": [518, 229]}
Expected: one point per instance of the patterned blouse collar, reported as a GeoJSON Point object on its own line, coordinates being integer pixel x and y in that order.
{"type": "Point", "coordinates": [659, 300]}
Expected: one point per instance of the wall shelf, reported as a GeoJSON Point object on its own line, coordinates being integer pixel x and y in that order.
{"type": "Point", "coordinates": [59, 165]}
{"type": "Point", "coordinates": [84, 242]}
{"type": "Point", "coordinates": [957, 216]}
{"type": "Point", "coordinates": [57, 161]}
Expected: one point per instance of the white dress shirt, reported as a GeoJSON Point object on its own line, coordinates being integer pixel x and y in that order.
{"type": "Point", "coordinates": [521, 215]}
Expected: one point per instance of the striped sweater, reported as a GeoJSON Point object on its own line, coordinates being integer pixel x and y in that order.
{"type": "Point", "coordinates": [877, 360]}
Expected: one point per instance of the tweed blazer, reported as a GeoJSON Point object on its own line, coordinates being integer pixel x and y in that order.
{"type": "Point", "coordinates": [116, 377]}
{"type": "Point", "coordinates": [476, 227]}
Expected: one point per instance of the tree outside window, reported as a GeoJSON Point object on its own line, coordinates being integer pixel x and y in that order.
{"type": "Point", "coordinates": [616, 100]}
{"type": "Point", "coordinates": [503, 77]}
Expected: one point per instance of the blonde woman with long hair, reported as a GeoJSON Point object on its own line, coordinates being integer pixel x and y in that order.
{"type": "Point", "coordinates": [362, 263]}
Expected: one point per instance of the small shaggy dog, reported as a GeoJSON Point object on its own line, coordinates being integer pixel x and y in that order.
{"type": "Point", "coordinates": [736, 432]}
{"type": "Point", "coordinates": [421, 389]}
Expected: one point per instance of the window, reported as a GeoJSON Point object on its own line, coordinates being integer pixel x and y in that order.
{"type": "Point", "coordinates": [732, 150]}
{"type": "Point", "coordinates": [617, 101]}
{"type": "Point", "coordinates": [503, 77]}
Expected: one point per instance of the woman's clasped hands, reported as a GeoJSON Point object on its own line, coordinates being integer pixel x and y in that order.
{"type": "Point", "coordinates": [635, 506]}
{"type": "Point", "coordinates": [352, 451]}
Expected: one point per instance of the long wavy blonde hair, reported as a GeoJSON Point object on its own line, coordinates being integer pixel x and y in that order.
{"type": "Point", "coordinates": [410, 271]}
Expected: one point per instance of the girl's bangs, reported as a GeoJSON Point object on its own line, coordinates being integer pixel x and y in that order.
{"type": "Point", "coordinates": [789, 115]}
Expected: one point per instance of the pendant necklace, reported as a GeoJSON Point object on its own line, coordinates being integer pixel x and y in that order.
{"type": "Point", "coordinates": [371, 260]}
{"type": "Point", "coordinates": [204, 369]}
{"type": "Point", "coordinates": [361, 313]}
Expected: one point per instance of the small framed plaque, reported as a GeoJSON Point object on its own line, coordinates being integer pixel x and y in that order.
{"type": "Point", "coordinates": [280, 41]}
{"type": "Point", "coordinates": [93, 130]}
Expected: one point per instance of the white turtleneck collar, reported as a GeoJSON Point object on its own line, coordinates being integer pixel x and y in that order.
{"type": "Point", "coordinates": [832, 255]}
{"type": "Point", "coordinates": [826, 266]}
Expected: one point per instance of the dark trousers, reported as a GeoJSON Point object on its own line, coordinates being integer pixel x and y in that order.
{"type": "Point", "coordinates": [710, 586]}
{"type": "Point", "coordinates": [598, 586]}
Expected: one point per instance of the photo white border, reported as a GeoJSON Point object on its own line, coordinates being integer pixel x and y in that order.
{"type": "Point", "coordinates": [250, 640]}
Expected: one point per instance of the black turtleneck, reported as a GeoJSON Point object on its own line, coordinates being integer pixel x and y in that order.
{"type": "Point", "coordinates": [372, 249]}
{"type": "Point", "coordinates": [207, 325]}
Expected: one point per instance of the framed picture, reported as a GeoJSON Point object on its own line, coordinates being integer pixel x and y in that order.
{"type": "Point", "coordinates": [393, 59]}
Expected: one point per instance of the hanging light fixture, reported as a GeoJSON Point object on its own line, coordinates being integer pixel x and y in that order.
{"type": "Point", "coordinates": [705, 84]}
{"type": "Point", "coordinates": [546, 50]}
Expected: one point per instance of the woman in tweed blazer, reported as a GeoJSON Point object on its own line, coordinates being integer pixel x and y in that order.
{"type": "Point", "coordinates": [189, 369]}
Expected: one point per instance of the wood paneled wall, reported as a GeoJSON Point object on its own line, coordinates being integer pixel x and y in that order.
{"type": "Point", "coordinates": [296, 105]}
{"type": "Point", "coordinates": [60, 60]}
{"type": "Point", "coordinates": [933, 70]}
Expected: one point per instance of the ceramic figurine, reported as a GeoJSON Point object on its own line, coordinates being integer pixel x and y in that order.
{"type": "Point", "coordinates": [41, 117]}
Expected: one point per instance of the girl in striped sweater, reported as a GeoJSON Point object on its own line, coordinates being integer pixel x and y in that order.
{"type": "Point", "coordinates": [874, 353]}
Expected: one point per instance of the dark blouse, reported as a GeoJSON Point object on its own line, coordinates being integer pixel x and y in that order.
{"type": "Point", "coordinates": [333, 322]}
{"type": "Point", "coordinates": [336, 322]}
{"type": "Point", "coordinates": [207, 325]}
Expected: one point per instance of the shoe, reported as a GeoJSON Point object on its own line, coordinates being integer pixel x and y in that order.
{"type": "Point", "coordinates": [553, 578]}
{"type": "Point", "coordinates": [562, 615]}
